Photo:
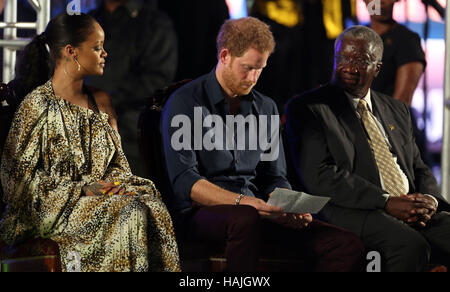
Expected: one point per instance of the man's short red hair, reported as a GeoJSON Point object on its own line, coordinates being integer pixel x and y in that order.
{"type": "Point", "coordinates": [241, 34]}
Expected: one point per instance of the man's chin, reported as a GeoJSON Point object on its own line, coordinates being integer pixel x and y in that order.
{"type": "Point", "coordinates": [245, 91]}
{"type": "Point", "coordinates": [352, 89]}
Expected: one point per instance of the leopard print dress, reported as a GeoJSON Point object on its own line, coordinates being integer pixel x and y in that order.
{"type": "Point", "coordinates": [53, 150]}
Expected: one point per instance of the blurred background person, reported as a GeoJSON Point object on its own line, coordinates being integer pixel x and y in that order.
{"type": "Point", "coordinates": [403, 63]}
{"type": "Point", "coordinates": [403, 57]}
{"type": "Point", "coordinates": [304, 31]}
{"type": "Point", "coordinates": [197, 23]}
{"type": "Point", "coordinates": [142, 47]}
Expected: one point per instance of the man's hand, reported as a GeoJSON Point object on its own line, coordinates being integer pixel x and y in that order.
{"type": "Point", "coordinates": [415, 209]}
{"type": "Point", "coordinates": [401, 207]}
{"type": "Point", "coordinates": [295, 221]}
{"type": "Point", "coordinates": [423, 202]}
{"type": "Point", "coordinates": [264, 209]}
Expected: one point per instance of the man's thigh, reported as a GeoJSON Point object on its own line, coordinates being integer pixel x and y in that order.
{"type": "Point", "coordinates": [381, 229]}
{"type": "Point", "coordinates": [318, 238]}
{"type": "Point", "coordinates": [215, 223]}
{"type": "Point", "coordinates": [402, 247]}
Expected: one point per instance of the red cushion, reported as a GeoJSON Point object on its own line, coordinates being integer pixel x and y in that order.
{"type": "Point", "coordinates": [30, 248]}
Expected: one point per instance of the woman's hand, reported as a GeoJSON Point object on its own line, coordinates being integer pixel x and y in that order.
{"type": "Point", "coordinates": [102, 188]}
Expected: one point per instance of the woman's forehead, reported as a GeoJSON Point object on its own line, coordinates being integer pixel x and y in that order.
{"type": "Point", "coordinates": [97, 34]}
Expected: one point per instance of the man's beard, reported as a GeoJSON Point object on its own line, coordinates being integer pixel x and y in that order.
{"type": "Point", "coordinates": [234, 85]}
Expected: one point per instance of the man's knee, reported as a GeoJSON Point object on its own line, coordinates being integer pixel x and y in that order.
{"type": "Point", "coordinates": [349, 246]}
{"type": "Point", "coordinates": [245, 219]}
{"type": "Point", "coordinates": [352, 250]}
{"type": "Point", "coordinates": [343, 241]}
{"type": "Point", "coordinates": [416, 246]}
{"type": "Point", "coordinates": [351, 243]}
{"type": "Point", "coordinates": [408, 252]}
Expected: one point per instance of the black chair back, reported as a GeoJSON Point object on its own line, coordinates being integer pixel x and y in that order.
{"type": "Point", "coordinates": [8, 105]}
{"type": "Point", "coordinates": [150, 141]}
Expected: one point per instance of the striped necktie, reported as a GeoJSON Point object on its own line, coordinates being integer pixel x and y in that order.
{"type": "Point", "coordinates": [387, 167]}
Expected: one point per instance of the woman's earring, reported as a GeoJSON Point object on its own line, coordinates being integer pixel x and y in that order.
{"type": "Point", "coordinates": [79, 66]}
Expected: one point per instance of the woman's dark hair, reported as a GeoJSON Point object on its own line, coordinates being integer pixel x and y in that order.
{"type": "Point", "coordinates": [39, 57]}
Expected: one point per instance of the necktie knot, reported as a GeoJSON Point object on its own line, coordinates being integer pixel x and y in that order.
{"type": "Point", "coordinates": [362, 107]}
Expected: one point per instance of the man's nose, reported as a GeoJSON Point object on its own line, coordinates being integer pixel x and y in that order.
{"type": "Point", "coordinates": [350, 68]}
{"type": "Point", "coordinates": [253, 76]}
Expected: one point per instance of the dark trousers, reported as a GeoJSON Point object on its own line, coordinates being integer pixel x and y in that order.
{"type": "Point", "coordinates": [246, 236]}
{"type": "Point", "coordinates": [406, 249]}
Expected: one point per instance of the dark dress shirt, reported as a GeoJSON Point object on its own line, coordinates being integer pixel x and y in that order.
{"type": "Point", "coordinates": [239, 171]}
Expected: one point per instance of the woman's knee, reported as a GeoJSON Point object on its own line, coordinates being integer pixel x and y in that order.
{"type": "Point", "coordinates": [134, 206]}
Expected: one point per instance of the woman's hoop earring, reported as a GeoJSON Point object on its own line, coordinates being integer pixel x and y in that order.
{"type": "Point", "coordinates": [79, 66]}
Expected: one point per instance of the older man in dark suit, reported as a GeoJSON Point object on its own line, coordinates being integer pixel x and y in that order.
{"type": "Point", "coordinates": [357, 146]}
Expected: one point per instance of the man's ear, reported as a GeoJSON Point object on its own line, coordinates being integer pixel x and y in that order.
{"type": "Point", "coordinates": [378, 69]}
{"type": "Point", "coordinates": [69, 52]}
{"type": "Point", "coordinates": [225, 56]}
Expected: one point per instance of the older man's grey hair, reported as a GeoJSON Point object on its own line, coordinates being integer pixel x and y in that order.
{"type": "Point", "coordinates": [365, 33]}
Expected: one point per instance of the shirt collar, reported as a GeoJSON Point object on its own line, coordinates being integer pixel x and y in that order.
{"type": "Point", "coordinates": [367, 98]}
{"type": "Point", "coordinates": [216, 94]}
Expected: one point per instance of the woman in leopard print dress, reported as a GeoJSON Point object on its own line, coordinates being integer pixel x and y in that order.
{"type": "Point", "coordinates": [63, 171]}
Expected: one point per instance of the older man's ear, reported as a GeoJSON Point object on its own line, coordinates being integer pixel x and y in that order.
{"type": "Point", "coordinates": [379, 64]}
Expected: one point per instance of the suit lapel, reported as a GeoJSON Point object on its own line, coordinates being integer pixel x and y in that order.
{"type": "Point", "coordinates": [385, 116]}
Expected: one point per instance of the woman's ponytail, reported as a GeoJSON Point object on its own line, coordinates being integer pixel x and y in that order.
{"type": "Point", "coordinates": [36, 65]}
{"type": "Point", "coordinates": [33, 68]}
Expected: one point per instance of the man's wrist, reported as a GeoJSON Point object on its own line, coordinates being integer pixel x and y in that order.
{"type": "Point", "coordinates": [238, 199]}
{"type": "Point", "coordinates": [383, 201]}
{"type": "Point", "coordinates": [435, 200]}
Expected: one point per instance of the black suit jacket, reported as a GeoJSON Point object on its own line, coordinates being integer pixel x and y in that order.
{"type": "Point", "coordinates": [332, 156]}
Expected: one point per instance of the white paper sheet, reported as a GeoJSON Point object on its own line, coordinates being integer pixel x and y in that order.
{"type": "Point", "coordinates": [297, 202]}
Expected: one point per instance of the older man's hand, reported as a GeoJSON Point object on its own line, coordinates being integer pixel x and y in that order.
{"type": "Point", "coordinates": [422, 202]}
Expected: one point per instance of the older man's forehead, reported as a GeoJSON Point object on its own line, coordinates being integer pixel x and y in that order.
{"type": "Point", "coordinates": [359, 46]}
